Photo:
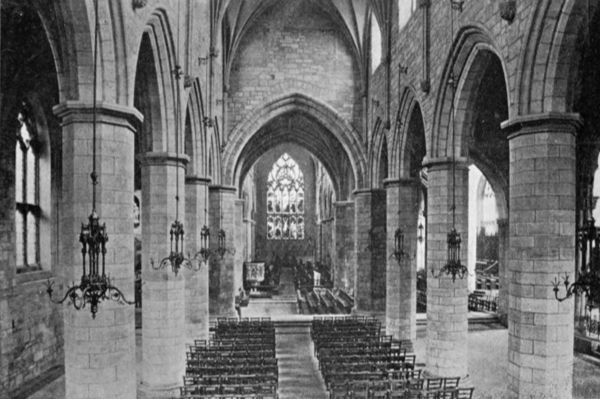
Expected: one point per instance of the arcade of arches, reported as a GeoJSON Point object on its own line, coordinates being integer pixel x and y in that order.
{"type": "Point", "coordinates": [307, 131]}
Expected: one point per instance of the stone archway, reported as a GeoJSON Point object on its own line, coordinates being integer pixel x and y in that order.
{"type": "Point", "coordinates": [325, 116]}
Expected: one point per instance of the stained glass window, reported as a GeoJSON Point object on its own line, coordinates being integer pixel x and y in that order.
{"type": "Point", "coordinates": [285, 200]}
{"type": "Point", "coordinates": [27, 213]}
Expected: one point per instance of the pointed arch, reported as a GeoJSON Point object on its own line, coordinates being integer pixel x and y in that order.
{"type": "Point", "coordinates": [340, 131]}
{"type": "Point", "coordinates": [159, 37]}
{"type": "Point", "coordinates": [408, 140]}
{"type": "Point", "coordinates": [549, 65]}
{"type": "Point", "coordinates": [467, 61]}
{"type": "Point", "coordinates": [378, 149]}
{"type": "Point", "coordinates": [199, 133]}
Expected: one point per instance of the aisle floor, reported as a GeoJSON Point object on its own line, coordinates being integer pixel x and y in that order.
{"type": "Point", "coordinates": [299, 375]}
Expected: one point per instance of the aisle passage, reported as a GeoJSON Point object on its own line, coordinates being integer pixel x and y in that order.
{"type": "Point", "coordinates": [299, 375]}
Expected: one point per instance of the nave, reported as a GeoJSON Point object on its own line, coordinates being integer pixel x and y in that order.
{"type": "Point", "coordinates": [419, 161]}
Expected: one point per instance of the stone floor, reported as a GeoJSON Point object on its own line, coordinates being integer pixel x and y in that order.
{"type": "Point", "coordinates": [299, 375]}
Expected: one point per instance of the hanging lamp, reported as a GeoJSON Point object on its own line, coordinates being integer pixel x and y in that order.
{"type": "Point", "coordinates": [95, 285]}
{"type": "Point", "coordinates": [176, 258]}
{"type": "Point", "coordinates": [453, 266]}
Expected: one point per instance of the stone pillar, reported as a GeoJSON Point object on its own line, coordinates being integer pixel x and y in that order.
{"type": "Point", "coordinates": [447, 323]}
{"type": "Point", "coordinates": [239, 231]}
{"type": "Point", "coordinates": [503, 271]}
{"type": "Point", "coordinates": [196, 283]}
{"type": "Point", "coordinates": [222, 290]}
{"type": "Point", "coordinates": [542, 246]}
{"type": "Point", "coordinates": [401, 298]}
{"type": "Point", "coordinates": [100, 352]}
{"type": "Point", "coordinates": [369, 221]}
{"type": "Point", "coordinates": [163, 292]}
{"type": "Point", "coordinates": [344, 246]}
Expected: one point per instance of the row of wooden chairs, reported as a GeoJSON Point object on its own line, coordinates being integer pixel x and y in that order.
{"type": "Point", "coordinates": [433, 388]}
{"type": "Point", "coordinates": [229, 389]}
{"type": "Point", "coordinates": [238, 362]}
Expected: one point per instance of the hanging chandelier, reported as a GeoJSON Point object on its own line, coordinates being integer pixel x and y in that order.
{"type": "Point", "coordinates": [176, 258]}
{"type": "Point", "coordinates": [453, 266]}
{"type": "Point", "coordinates": [399, 253]}
{"type": "Point", "coordinates": [204, 252]}
{"type": "Point", "coordinates": [95, 285]}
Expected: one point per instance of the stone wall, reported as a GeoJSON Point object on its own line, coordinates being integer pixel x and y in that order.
{"type": "Point", "coordinates": [293, 48]}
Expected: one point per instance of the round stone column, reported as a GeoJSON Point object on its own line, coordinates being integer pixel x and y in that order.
{"type": "Point", "coordinates": [369, 235]}
{"type": "Point", "coordinates": [196, 282]}
{"type": "Point", "coordinates": [447, 300]}
{"type": "Point", "coordinates": [541, 247]}
{"type": "Point", "coordinates": [163, 292]}
{"type": "Point", "coordinates": [343, 274]}
{"type": "Point", "coordinates": [503, 271]}
{"type": "Point", "coordinates": [401, 288]}
{"type": "Point", "coordinates": [222, 288]}
{"type": "Point", "coordinates": [100, 352]}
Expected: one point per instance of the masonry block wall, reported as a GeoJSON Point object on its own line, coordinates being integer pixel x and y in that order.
{"type": "Point", "coordinates": [294, 48]}
{"type": "Point", "coordinates": [370, 248]}
{"type": "Point", "coordinates": [31, 328]}
{"type": "Point", "coordinates": [447, 323]}
{"type": "Point", "coordinates": [222, 289]}
{"type": "Point", "coordinates": [163, 291]}
{"type": "Point", "coordinates": [541, 248]}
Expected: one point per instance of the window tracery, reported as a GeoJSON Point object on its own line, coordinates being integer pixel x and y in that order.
{"type": "Point", "coordinates": [285, 200]}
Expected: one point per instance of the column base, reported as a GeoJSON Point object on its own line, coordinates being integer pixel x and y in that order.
{"type": "Point", "coordinates": [146, 391]}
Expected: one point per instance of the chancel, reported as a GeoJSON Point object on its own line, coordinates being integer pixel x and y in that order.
{"type": "Point", "coordinates": [331, 199]}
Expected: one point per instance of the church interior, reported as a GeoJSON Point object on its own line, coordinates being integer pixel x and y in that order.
{"type": "Point", "coordinates": [238, 199]}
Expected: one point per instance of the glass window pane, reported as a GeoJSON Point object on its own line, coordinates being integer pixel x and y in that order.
{"type": "Point", "coordinates": [32, 239]}
{"type": "Point", "coordinates": [31, 182]}
{"type": "Point", "coordinates": [19, 242]}
{"type": "Point", "coordinates": [405, 10]}
{"type": "Point", "coordinates": [19, 173]}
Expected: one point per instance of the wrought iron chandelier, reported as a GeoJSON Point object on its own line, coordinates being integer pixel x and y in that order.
{"type": "Point", "coordinates": [95, 285]}
{"type": "Point", "coordinates": [399, 253]}
{"type": "Point", "coordinates": [176, 258]}
{"type": "Point", "coordinates": [453, 266]}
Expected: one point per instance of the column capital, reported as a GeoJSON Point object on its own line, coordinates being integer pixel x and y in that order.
{"type": "Point", "coordinates": [442, 163]}
{"type": "Point", "coordinates": [222, 188]}
{"type": "Point", "coordinates": [163, 158]}
{"type": "Point", "coordinates": [400, 182]}
{"type": "Point", "coordinates": [107, 113]}
{"type": "Point", "coordinates": [197, 180]}
{"type": "Point", "coordinates": [549, 122]}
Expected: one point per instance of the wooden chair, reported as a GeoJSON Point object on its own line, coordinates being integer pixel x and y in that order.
{"type": "Point", "coordinates": [451, 383]}
{"type": "Point", "coordinates": [434, 384]}
{"type": "Point", "coordinates": [465, 393]}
